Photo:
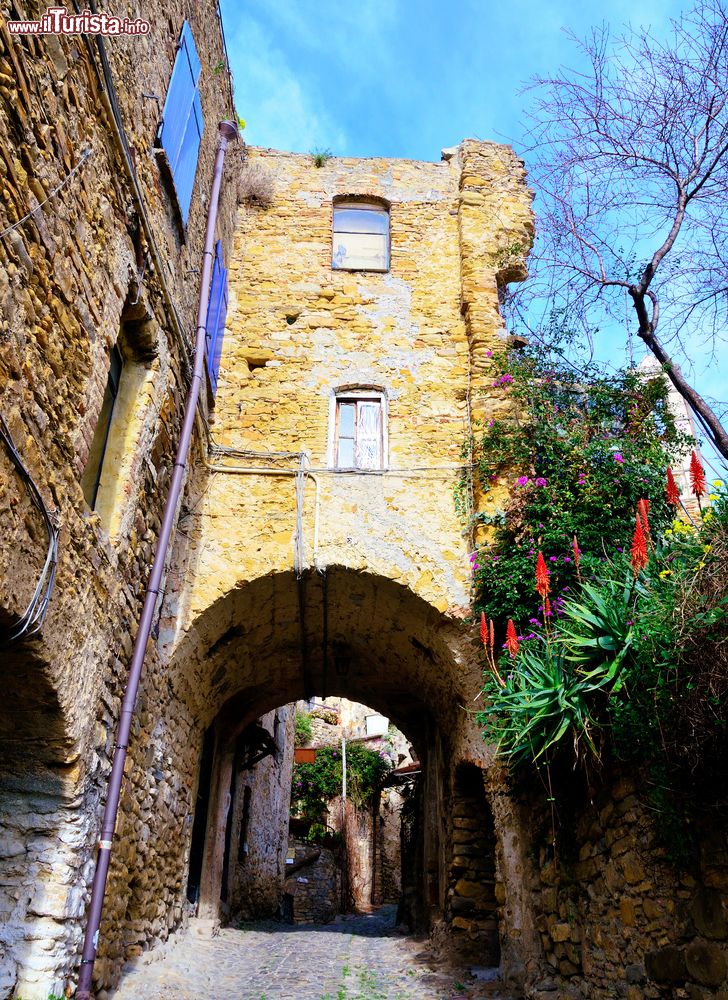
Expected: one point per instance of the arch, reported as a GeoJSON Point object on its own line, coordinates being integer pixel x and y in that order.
{"type": "Point", "coordinates": [341, 632]}
{"type": "Point", "coordinates": [269, 640]}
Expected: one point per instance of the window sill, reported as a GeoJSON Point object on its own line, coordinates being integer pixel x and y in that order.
{"type": "Point", "coordinates": [363, 270]}
{"type": "Point", "coordinates": [360, 472]}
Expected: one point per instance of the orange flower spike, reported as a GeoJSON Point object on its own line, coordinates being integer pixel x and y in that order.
{"type": "Point", "coordinates": [639, 547]}
{"type": "Point", "coordinates": [643, 509]}
{"type": "Point", "coordinates": [484, 630]}
{"type": "Point", "coordinates": [697, 476]}
{"type": "Point", "coordinates": [577, 552]}
{"type": "Point", "coordinates": [511, 638]}
{"type": "Point", "coordinates": [542, 576]}
{"type": "Point", "coordinates": [492, 635]}
{"type": "Point", "coordinates": [671, 490]}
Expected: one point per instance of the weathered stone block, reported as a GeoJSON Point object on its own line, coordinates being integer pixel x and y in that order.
{"type": "Point", "coordinates": [706, 962]}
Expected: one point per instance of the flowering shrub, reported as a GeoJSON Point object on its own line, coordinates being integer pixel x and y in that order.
{"type": "Point", "coordinates": [314, 785]}
{"type": "Point", "coordinates": [576, 457]}
{"type": "Point", "coordinates": [635, 666]}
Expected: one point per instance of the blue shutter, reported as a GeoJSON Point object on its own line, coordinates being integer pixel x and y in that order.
{"type": "Point", "coordinates": [216, 315]}
{"type": "Point", "coordinates": [181, 129]}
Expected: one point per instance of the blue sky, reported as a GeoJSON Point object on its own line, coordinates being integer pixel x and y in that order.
{"type": "Point", "coordinates": [405, 78]}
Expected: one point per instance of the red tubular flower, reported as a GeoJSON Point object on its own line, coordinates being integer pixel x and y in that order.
{"type": "Point", "coordinates": [542, 576]}
{"type": "Point", "coordinates": [511, 638]}
{"type": "Point", "coordinates": [576, 551]}
{"type": "Point", "coordinates": [639, 547]}
{"type": "Point", "coordinates": [697, 476]}
{"type": "Point", "coordinates": [671, 490]}
{"type": "Point", "coordinates": [643, 509]}
{"type": "Point", "coordinates": [484, 633]}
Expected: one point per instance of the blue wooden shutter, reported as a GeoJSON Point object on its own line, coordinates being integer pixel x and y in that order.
{"type": "Point", "coordinates": [216, 315]}
{"type": "Point", "coordinates": [181, 129]}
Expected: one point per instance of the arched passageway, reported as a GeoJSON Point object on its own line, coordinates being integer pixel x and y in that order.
{"type": "Point", "coordinates": [278, 639]}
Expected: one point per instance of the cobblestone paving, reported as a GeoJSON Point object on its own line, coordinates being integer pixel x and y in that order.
{"type": "Point", "coordinates": [354, 958]}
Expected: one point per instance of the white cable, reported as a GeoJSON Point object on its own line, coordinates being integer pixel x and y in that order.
{"type": "Point", "coordinates": [54, 192]}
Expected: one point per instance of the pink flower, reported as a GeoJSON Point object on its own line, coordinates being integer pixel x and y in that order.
{"type": "Point", "coordinates": [522, 481]}
{"type": "Point", "coordinates": [618, 458]}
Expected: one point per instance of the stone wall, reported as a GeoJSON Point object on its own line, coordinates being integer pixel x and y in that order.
{"type": "Point", "coordinates": [259, 828]}
{"type": "Point", "coordinates": [313, 891]}
{"type": "Point", "coordinates": [472, 905]}
{"type": "Point", "coordinates": [616, 918]}
{"type": "Point", "coordinates": [75, 277]}
{"type": "Point", "coordinates": [388, 862]}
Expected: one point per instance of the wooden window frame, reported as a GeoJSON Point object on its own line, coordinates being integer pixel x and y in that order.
{"type": "Point", "coordinates": [356, 396]}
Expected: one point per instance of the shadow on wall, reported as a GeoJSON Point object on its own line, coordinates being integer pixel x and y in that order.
{"type": "Point", "coordinates": [42, 835]}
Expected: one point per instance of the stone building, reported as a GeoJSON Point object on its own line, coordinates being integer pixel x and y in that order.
{"type": "Point", "coordinates": [317, 549]}
{"type": "Point", "coordinates": [99, 285]}
{"type": "Point", "coordinates": [324, 553]}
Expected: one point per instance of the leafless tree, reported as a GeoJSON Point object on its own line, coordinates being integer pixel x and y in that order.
{"type": "Point", "coordinates": [630, 165]}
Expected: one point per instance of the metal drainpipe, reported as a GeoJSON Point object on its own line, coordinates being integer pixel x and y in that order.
{"type": "Point", "coordinates": [227, 131]}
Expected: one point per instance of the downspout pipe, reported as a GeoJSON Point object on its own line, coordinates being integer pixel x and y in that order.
{"type": "Point", "coordinates": [91, 937]}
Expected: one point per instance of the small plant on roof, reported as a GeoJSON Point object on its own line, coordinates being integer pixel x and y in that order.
{"type": "Point", "coordinates": [320, 157]}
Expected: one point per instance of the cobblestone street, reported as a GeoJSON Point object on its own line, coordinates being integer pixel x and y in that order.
{"type": "Point", "coordinates": [353, 958]}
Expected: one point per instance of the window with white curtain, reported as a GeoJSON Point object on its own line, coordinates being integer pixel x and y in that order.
{"type": "Point", "coordinates": [361, 236]}
{"type": "Point", "coordinates": [359, 432]}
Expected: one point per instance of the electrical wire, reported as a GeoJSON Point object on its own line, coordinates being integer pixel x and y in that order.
{"type": "Point", "coordinates": [85, 155]}
{"type": "Point", "coordinates": [31, 620]}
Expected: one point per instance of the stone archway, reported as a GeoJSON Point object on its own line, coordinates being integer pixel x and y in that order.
{"type": "Point", "coordinates": [364, 637]}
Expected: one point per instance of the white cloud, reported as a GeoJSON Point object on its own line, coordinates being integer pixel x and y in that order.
{"type": "Point", "coordinates": [270, 93]}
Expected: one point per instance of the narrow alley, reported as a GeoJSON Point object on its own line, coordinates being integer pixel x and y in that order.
{"type": "Point", "coordinates": [359, 957]}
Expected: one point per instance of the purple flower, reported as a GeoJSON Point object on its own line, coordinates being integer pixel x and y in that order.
{"type": "Point", "coordinates": [620, 549]}
{"type": "Point", "coordinates": [618, 458]}
{"type": "Point", "coordinates": [552, 559]}
{"type": "Point", "coordinates": [567, 559]}
{"type": "Point", "coordinates": [534, 621]}
{"type": "Point", "coordinates": [540, 481]}
{"type": "Point", "coordinates": [522, 481]}
{"type": "Point", "coordinates": [489, 354]}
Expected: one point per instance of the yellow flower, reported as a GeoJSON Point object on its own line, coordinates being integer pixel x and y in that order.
{"type": "Point", "coordinates": [701, 565]}
{"type": "Point", "coordinates": [665, 573]}
{"type": "Point", "coordinates": [717, 482]}
{"type": "Point", "coordinates": [712, 496]}
{"type": "Point", "coordinates": [707, 548]}
{"type": "Point", "coordinates": [707, 515]}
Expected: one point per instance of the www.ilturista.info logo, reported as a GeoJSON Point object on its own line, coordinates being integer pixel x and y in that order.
{"type": "Point", "coordinates": [56, 21]}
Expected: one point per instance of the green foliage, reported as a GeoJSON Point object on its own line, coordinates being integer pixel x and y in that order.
{"type": "Point", "coordinates": [320, 157]}
{"type": "Point", "coordinates": [304, 729]}
{"type": "Point", "coordinates": [575, 453]}
{"type": "Point", "coordinates": [314, 785]}
{"type": "Point", "coordinates": [636, 667]}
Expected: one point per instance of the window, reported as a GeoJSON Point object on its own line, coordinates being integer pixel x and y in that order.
{"type": "Point", "coordinates": [361, 237]}
{"type": "Point", "coordinates": [180, 130]}
{"type": "Point", "coordinates": [91, 480]}
{"type": "Point", "coordinates": [216, 314]}
{"type": "Point", "coordinates": [359, 431]}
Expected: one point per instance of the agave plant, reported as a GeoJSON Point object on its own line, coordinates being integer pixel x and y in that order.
{"type": "Point", "coordinates": [597, 629]}
{"type": "Point", "coordinates": [544, 700]}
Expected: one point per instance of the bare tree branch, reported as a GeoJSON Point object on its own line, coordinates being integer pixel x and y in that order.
{"type": "Point", "coordinates": [630, 164]}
